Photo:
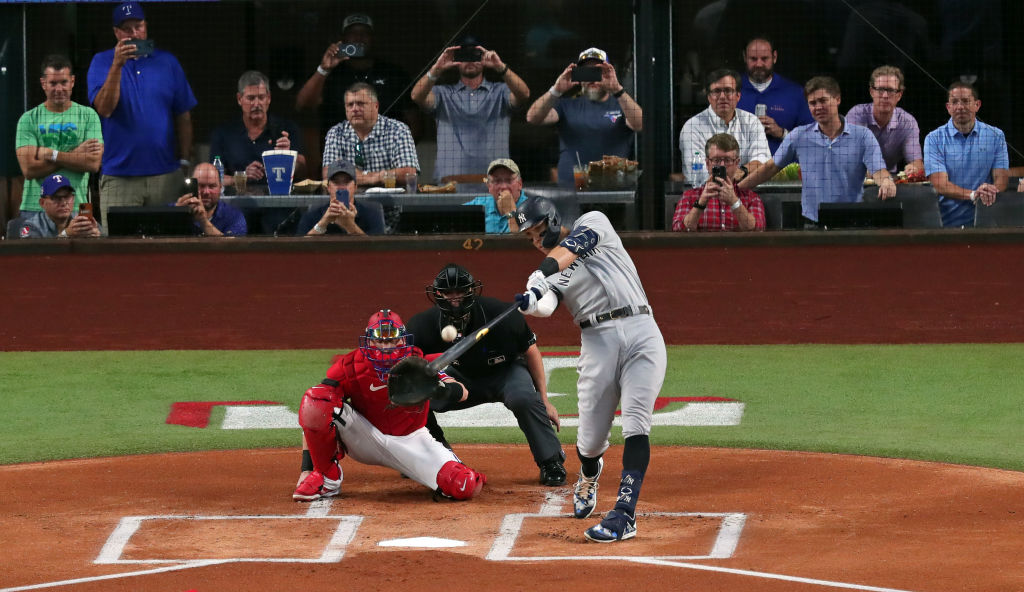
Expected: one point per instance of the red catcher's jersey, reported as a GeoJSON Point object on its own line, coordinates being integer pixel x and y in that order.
{"type": "Point", "coordinates": [361, 388]}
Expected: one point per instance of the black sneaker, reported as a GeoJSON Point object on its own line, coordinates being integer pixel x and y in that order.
{"type": "Point", "coordinates": [552, 472]}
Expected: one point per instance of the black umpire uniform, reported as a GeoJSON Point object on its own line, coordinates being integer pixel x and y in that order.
{"type": "Point", "coordinates": [495, 370]}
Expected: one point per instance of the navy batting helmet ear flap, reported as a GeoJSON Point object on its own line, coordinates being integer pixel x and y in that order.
{"type": "Point", "coordinates": [537, 209]}
{"type": "Point", "coordinates": [454, 291]}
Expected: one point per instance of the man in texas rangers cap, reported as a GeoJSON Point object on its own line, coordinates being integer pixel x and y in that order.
{"type": "Point", "coordinates": [55, 220]}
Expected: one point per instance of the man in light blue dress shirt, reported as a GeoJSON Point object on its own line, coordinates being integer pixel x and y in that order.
{"type": "Point", "coordinates": [834, 156]}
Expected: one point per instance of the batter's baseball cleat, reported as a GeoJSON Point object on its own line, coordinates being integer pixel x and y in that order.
{"type": "Point", "coordinates": [584, 495]}
{"type": "Point", "coordinates": [616, 526]}
{"type": "Point", "coordinates": [316, 485]}
{"type": "Point", "coordinates": [552, 472]}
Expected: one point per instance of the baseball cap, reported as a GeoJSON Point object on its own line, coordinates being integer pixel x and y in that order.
{"type": "Point", "coordinates": [341, 166]}
{"type": "Point", "coordinates": [356, 19]}
{"type": "Point", "coordinates": [508, 163]}
{"type": "Point", "coordinates": [55, 183]}
{"type": "Point", "coordinates": [592, 53]}
{"type": "Point", "coordinates": [128, 10]}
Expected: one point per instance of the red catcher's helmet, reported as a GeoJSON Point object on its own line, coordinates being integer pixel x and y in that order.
{"type": "Point", "coordinates": [385, 341]}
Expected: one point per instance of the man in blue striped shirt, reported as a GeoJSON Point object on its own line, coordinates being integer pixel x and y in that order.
{"type": "Point", "coordinates": [966, 160]}
{"type": "Point", "coordinates": [834, 156]}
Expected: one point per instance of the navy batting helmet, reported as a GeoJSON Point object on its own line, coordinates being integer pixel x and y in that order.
{"type": "Point", "coordinates": [537, 209]}
{"type": "Point", "coordinates": [454, 291]}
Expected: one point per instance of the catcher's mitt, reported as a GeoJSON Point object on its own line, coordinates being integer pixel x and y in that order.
{"type": "Point", "coordinates": [412, 382]}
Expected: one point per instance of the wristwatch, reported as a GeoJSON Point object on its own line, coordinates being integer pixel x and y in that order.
{"type": "Point", "coordinates": [737, 205]}
{"type": "Point", "coordinates": [746, 173]}
{"type": "Point", "coordinates": [698, 205]}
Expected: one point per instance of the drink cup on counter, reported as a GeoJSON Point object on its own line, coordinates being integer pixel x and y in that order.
{"type": "Point", "coordinates": [389, 179]}
{"type": "Point", "coordinates": [579, 176]}
{"type": "Point", "coordinates": [411, 183]}
{"type": "Point", "coordinates": [240, 183]}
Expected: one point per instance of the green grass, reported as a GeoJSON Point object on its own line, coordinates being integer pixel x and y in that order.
{"type": "Point", "coordinates": [951, 403]}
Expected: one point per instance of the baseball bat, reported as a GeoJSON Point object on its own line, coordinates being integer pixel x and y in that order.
{"type": "Point", "coordinates": [469, 341]}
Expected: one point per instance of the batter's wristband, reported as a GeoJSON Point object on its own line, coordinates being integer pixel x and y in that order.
{"type": "Point", "coordinates": [307, 461]}
{"type": "Point", "coordinates": [548, 266]}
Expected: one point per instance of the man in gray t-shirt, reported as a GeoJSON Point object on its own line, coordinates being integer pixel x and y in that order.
{"type": "Point", "coordinates": [473, 114]}
{"type": "Point", "coordinates": [622, 352]}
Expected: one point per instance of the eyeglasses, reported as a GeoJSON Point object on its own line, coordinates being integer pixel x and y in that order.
{"type": "Point", "coordinates": [360, 161]}
{"type": "Point", "coordinates": [725, 160]}
{"type": "Point", "coordinates": [961, 102]}
{"type": "Point", "coordinates": [714, 92]}
{"type": "Point", "coordinates": [62, 197]}
{"type": "Point", "coordinates": [886, 91]}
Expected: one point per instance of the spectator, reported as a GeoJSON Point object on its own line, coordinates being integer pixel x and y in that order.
{"type": "Point", "coordinates": [505, 185]}
{"type": "Point", "coordinates": [241, 143]}
{"type": "Point", "coordinates": [212, 218]}
{"type": "Point", "coordinates": [347, 216]}
{"type": "Point", "coordinates": [58, 136]}
{"type": "Point", "coordinates": [56, 219]}
{"type": "Point", "coordinates": [600, 122]}
{"type": "Point", "coordinates": [782, 98]}
{"type": "Point", "coordinates": [720, 117]}
{"type": "Point", "coordinates": [720, 204]}
{"type": "Point", "coordinates": [966, 160]}
{"type": "Point", "coordinates": [473, 114]}
{"type": "Point", "coordinates": [142, 117]}
{"type": "Point", "coordinates": [375, 143]}
{"type": "Point", "coordinates": [896, 130]}
{"type": "Point", "coordinates": [337, 72]}
{"type": "Point", "coordinates": [505, 367]}
{"type": "Point", "coordinates": [833, 156]}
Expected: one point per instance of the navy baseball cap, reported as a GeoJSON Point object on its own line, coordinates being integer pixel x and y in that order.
{"type": "Point", "coordinates": [341, 166]}
{"type": "Point", "coordinates": [128, 10]}
{"type": "Point", "coordinates": [55, 183]}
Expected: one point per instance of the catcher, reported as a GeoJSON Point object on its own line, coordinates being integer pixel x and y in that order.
{"type": "Point", "coordinates": [349, 413]}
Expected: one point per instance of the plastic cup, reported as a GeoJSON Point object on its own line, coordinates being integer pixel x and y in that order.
{"type": "Point", "coordinates": [240, 183]}
{"type": "Point", "coordinates": [411, 183]}
{"type": "Point", "coordinates": [389, 180]}
{"type": "Point", "coordinates": [579, 176]}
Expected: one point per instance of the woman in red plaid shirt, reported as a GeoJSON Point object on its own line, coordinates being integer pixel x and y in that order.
{"type": "Point", "coordinates": [719, 205]}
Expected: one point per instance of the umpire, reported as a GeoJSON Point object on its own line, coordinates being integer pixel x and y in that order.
{"type": "Point", "coordinates": [505, 366]}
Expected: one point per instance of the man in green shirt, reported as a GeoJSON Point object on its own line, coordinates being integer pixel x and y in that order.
{"type": "Point", "coordinates": [58, 137]}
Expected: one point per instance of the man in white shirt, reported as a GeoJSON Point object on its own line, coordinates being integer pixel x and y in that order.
{"type": "Point", "coordinates": [721, 116]}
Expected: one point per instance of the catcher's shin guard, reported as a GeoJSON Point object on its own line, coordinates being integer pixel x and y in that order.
{"type": "Point", "coordinates": [316, 419]}
{"type": "Point", "coordinates": [457, 481]}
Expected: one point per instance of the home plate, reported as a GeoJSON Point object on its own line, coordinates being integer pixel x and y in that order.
{"type": "Point", "coordinates": [422, 543]}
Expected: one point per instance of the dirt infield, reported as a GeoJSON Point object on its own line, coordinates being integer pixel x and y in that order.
{"type": "Point", "coordinates": [806, 522]}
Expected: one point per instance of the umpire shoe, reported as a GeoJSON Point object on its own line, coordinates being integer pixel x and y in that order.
{"type": "Point", "coordinates": [316, 485]}
{"type": "Point", "coordinates": [552, 472]}
{"type": "Point", "coordinates": [616, 526]}
{"type": "Point", "coordinates": [584, 494]}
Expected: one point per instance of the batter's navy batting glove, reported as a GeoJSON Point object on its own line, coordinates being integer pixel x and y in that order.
{"type": "Point", "coordinates": [528, 301]}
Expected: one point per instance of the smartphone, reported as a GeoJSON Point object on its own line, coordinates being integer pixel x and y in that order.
{"type": "Point", "coordinates": [192, 187]}
{"type": "Point", "coordinates": [718, 171]}
{"type": "Point", "coordinates": [143, 47]}
{"type": "Point", "coordinates": [467, 53]}
{"type": "Point", "coordinates": [586, 74]}
{"type": "Point", "coordinates": [760, 110]}
{"type": "Point", "coordinates": [85, 209]}
{"type": "Point", "coordinates": [342, 196]}
{"type": "Point", "coordinates": [352, 50]}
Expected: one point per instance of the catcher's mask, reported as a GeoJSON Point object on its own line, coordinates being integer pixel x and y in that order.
{"type": "Point", "coordinates": [537, 209]}
{"type": "Point", "coordinates": [454, 291]}
{"type": "Point", "coordinates": [385, 342]}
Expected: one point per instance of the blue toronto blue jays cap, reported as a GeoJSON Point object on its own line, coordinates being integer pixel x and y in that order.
{"type": "Point", "coordinates": [128, 10]}
{"type": "Point", "coordinates": [54, 183]}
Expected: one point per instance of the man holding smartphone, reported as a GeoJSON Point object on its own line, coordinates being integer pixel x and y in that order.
{"type": "Point", "coordinates": [474, 113]}
{"type": "Point", "coordinates": [719, 204]}
{"type": "Point", "coordinates": [144, 102]}
{"type": "Point", "coordinates": [211, 217]}
{"type": "Point", "coordinates": [343, 214]}
{"type": "Point", "coordinates": [595, 118]}
{"type": "Point", "coordinates": [56, 219]}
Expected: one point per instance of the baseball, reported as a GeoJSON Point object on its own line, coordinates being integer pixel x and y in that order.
{"type": "Point", "coordinates": [449, 333]}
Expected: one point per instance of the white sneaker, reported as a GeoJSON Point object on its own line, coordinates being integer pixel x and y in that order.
{"type": "Point", "coordinates": [584, 494]}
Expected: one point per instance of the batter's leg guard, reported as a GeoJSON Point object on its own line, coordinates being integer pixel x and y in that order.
{"type": "Point", "coordinates": [459, 482]}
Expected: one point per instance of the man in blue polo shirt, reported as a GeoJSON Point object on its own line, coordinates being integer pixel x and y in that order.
{"type": "Point", "coordinates": [212, 218]}
{"type": "Point", "coordinates": [782, 104]}
{"type": "Point", "coordinates": [833, 155]}
{"type": "Point", "coordinates": [144, 103]}
{"type": "Point", "coordinates": [966, 160]}
{"type": "Point", "coordinates": [506, 194]}
{"type": "Point", "coordinates": [473, 114]}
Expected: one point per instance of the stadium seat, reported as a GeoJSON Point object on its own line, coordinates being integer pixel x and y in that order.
{"type": "Point", "coordinates": [1007, 211]}
{"type": "Point", "coordinates": [920, 205]}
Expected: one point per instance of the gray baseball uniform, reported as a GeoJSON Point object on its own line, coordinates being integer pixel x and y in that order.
{"type": "Point", "coordinates": [622, 356]}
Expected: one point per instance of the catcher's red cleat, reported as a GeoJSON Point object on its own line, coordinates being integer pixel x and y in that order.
{"type": "Point", "coordinates": [316, 485]}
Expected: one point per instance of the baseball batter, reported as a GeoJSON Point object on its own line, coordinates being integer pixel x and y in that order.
{"type": "Point", "coordinates": [622, 354]}
{"type": "Point", "coordinates": [351, 407]}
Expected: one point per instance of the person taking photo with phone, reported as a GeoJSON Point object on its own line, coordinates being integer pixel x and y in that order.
{"type": "Point", "coordinates": [474, 113]}
{"type": "Point", "coordinates": [56, 219]}
{"type": "Point", "coordinates": [719, 204]}
{"type": "Point", "coordinates": [600, 121]}
{"type": "Point", "coordinates": [343, 214]}
{"type": "Point", "coordinates": [211, 217]}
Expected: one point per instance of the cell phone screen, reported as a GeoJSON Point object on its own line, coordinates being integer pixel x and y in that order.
{"type": "Point", "coordinates": [342, 196]}
{"type": "Point", "coordinates": [85, 209]}
{"type": "Point", "coordinates": [586, 74]}
{"type": "Point", "coordinates": [467, 53]}
{"type": "Point", "coordinates": [718, 171]}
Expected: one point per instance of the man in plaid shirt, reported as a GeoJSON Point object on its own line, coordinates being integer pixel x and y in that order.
{"type": "Point", "coordinates": [719, 204]}
{"type": "Point", "coordinates": [375, 143]}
